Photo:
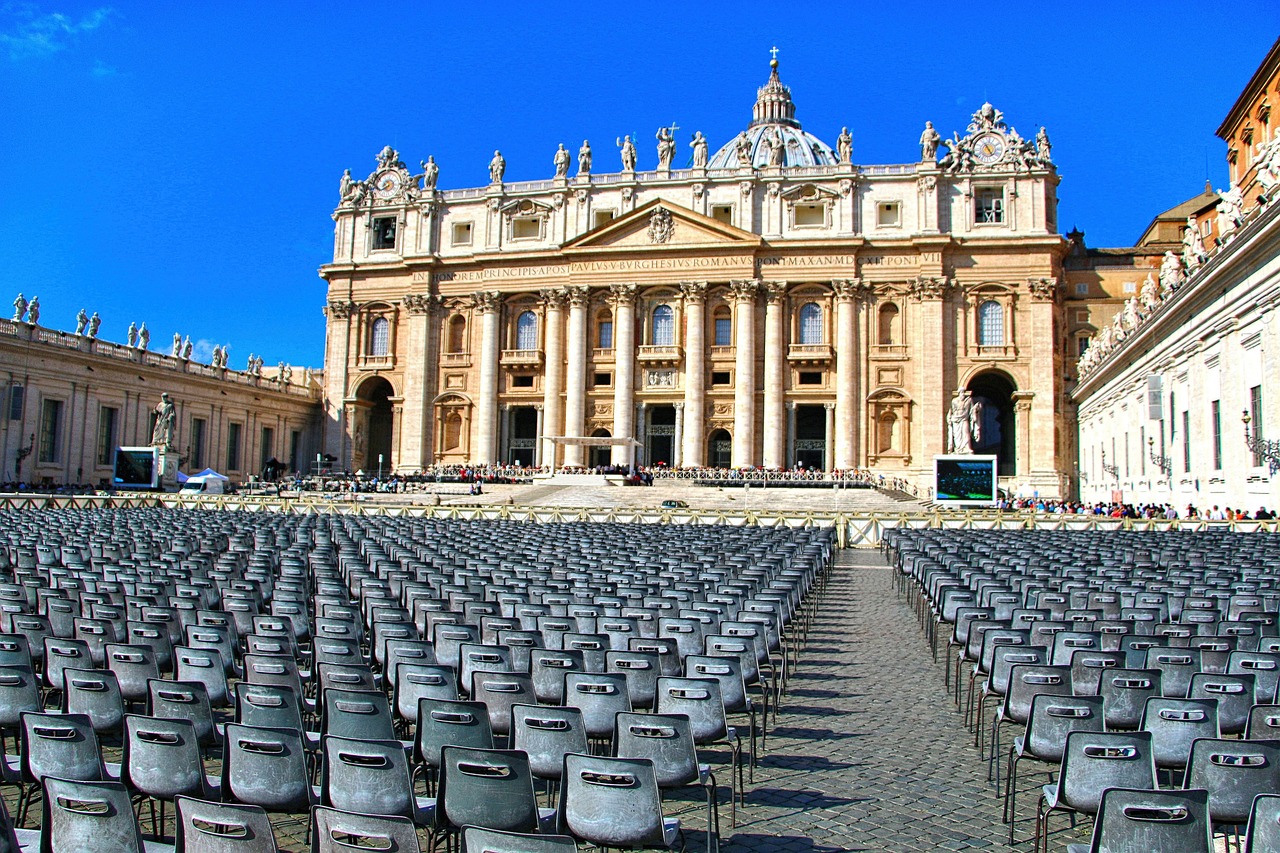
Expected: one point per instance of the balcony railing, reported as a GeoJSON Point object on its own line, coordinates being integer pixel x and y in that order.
{"type": "Point", "coordinates": [651, 353]}
{"type": "Point", "coordinates": [723, 352]}
{"type": "Point", "coordinates": [809, 352]}
{"type": "Point", "coordinates": [522, 357]}
{"type": "Point", "coordinates": [456, 359]}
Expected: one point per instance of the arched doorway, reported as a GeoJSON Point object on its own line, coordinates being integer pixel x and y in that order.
{"type": "Point", "coordinates": [372, 427]}
{"type": "Point", "coordinates": [660, 435]}
{"type": "Point", "coordinates": [599, 454]}
{"type": "Point", "coordinates": [719, 449]}
{"type": "Point", "coordinates": [998, 434]}
{"type": "Point", "coordinates": [811, 437]}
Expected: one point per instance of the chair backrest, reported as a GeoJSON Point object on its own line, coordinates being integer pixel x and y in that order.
{"type": "Point", "coordinates": [1233, 772]}
{"type": "Point", "coordinates": [417, 681]}
{"type": "Point", "coordinates": [405, 650]}
{"type": "Point", "coordinates": [268, 706]}
{"type": "Point", "coordinates": [445, 722]}
{"type": "Point", "coordinates": [88, 816]}
{"type": "Point", "coordinates": [477, 657]}
{"type": "Point", "coordinates": [1176, 665]}
{"type": "Point", "coordinates": [133, 665]}
{"type": "Point", "coordinates": [1053, 717]}
{"type": "Point", "coordinates": [611, 802]}
{"type": "Point", "coordinates": [337, 831]}
{"type": "Point", "coordinates": [499, 691]}
{"type": "Point", "coordinates": [266, 767]}
{"type": "Point", "coordinates": [366, 776]}
{"type": "Point", "coordinates": [491, 788]}
{"type": "Point", "coordinates": [477, 840]}
{"type": "Point", "coordinates": [1028, 680]}
{"type": "Point", "coordinates": [161, 758]}
{"type": "Point", "coordinates": [547, 668]}
{"type": "Point", "coordinates": [1004, 658]}
{"type": "Point", "coordinates": [1234, 694]}
{"type": "Point", "coordinates": [61, 654]}
{"type": "Point", "coordinates": [1265, 668]}
{"type": "Point", "coordinates": [96, 694]}
{"type": "Point", "coordinates": [665, 648]}
{"type": "Point", "coordinates": [448, 640]}
{"type": "Point", "coordinates": [664, 739]}
{"type": "Point", "coordinates": [699, 700]}
{"type": "Point", "coordinates": [356, 714]}
{"type": "Point", "coordinates": [345, 677]}
{"type": "Point", "coordinates": [599, 696]}
{"type": "Point", "coordinates": [19, 691]}
{"type": "Point", "coordinates": [592, 646]}
{"type": "Point", "coordinates": [1175, 723]}
{"type": "Point", "coordinates": [204, 666]}
{"type": "Point", "coordinates": [61, 745]}
{"type": "Point", "coordinates": [1124, 695]}
{"type": "Point", "coordinates": [183, 700]}
{"type": "Point", "coordinates": [641, 670]}
{"type": "Point", "coordinates": [1095, 761]}
{"type": "Point", "coordinates": [546, 735]}
{"type": "Point", "coordinates": [1264, 825]}
{"type": "Point", "coordinates": [1089, 665]}
{"type": "Point", "coordinates": [205, 827]}
{"type": "Point", "coordinates": [1130, 819]}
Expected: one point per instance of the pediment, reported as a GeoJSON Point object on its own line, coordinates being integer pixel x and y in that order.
{"type": "Point", "coordinates": [662, 225]}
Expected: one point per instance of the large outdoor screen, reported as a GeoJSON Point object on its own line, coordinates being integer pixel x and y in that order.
{"type": "Point", "coordinates": [965, 480]}
{"type": "Point", "coordinates": [135, 468]}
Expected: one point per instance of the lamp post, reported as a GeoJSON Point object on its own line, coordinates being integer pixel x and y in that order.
{"type": "Point", "coordinates": [1164, 463]}
{"type": "Point", "coordinates": [1113, 470]}
{"type": "Point", "coordinates": [379, 467]}
{"type": "Point", "coordinates": [1268, 449]}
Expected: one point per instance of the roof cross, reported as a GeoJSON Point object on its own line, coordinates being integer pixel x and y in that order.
{"type": "Point", "coordinates": [774, 52]}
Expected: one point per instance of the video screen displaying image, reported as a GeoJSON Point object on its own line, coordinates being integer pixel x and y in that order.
{"type": "Point", "coordinates": [968, 479]}
{"type": "Point", "coordinates": [135, 468]}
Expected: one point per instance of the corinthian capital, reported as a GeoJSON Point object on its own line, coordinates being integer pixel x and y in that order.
{"type": "Point", "coordinates": [929, 288]}
{"type": "Point", "coordinates": [847, 289]}
{"type": "Point", "coordinates": [485, 301]}
{"type": "Point", "coordinates": [694, 291]}
{"type": "Point", "coordinates": [744, 289]}
{"type": "Point", "coordinates": [622, 294]}
{"type": "Point", "coordinates": [553, 298]}
{"type": "Point", "coordinates": [578, 296]}
{"type": "Point", "coordinates": [420, 303]}
{"type": "Point", "coordinates": [774, 291]}
{"type": "Point", "coordinates": [1043, 289]}
{"type": "Point", "coordinates": [339, 310]}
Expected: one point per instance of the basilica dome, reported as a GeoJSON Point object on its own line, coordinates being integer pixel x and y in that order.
{"type": "Point", "coordinates": [773, 119]}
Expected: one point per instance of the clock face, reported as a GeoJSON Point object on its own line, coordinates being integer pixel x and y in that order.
{"type": "Point", "coordinates": [988, 148]}
{"type": "Point", "coordinates": [386, 185]}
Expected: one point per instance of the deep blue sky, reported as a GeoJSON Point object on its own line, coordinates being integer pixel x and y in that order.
{"type": "Point", "coordinates": [177, 162]}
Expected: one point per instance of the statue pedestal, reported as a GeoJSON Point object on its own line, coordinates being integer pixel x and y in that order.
{"type": "Point", "coordinates": [167, 470]}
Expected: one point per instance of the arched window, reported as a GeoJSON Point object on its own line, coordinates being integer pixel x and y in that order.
{"type": "Point", "coordinates": [458, 334]}
{"type": "Point", "coordinates": [527, 331]}
{"type": "Point", "coordinates": [990, 324]}
{"type": "Point", "coordinates": [664, 328]}
{"type": "Point", "coordinates": [723, 327]}
{"type": "Point", "coordinates": [810, 323]}
{"type": "Point", "coordinates": [604, 330]}
{"type": "Point", "coordinates": [380, 336]}
{"type": "Point", "coordinates": [888, 331]}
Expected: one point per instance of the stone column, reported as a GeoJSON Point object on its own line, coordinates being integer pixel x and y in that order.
{"type": "Point", "coordinates": [693, 446]}
{"type": "Point", "coordinates": [550, 421]}
{"type": "Point", "coordinates": [828, 446]}
{"type": "Point", "coordinates": [1025, 435]}
{"type": "Point", "coordinates": [336, 377]}
{"type": "Point", "coordinates": [642, 433]}
{"type": "Point", "coordinates": [846, 366]}
{"type": "Point", "coordinates": [575, 397]}
{"type": "Point", "coordinates": [488, 304]}
{"type": "Point", "coordinates": [623, 299]}
{"type": "Point", "coordinates": [677, 442]}
{"type": "Point", "coordinates": [935, 370]}
{"type": "Point", "coordinates": [541, 411]}
{"type": "Point", "coordinates": [791, 435]}
{"type": "Point", "coordinates": [1046, 378]}
{"type": "Point", "coordinates": [775, 365]}
{"type": "Point", "coordinates": [744, 397]}
{"type": "Point", "coordinates": [504, 434]}
{"type": "Point", "coordinates": [421, 369]}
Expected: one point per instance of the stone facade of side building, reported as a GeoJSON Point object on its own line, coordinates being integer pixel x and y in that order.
{"type": "Point", "coordinates": [774, 305]}
{"type": "Point", "coordinates": [68, 399]}
{"type": "Point", "coordinates": [1176, 399]}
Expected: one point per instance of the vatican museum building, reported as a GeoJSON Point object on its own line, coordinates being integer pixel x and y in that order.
{"type": "Point", "coordinates": [772, 305]}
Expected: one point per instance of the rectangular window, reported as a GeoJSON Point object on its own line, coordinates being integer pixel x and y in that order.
{"type": "Point", "coordinates": [720, 377]}
{"type": "Point", "coordinates": [1082, 288]}
{"type": "Point", "coordinates": [889, 214]}
{"type": "Point", "coordinates": [1082, 344]}
{"type": "Point", "coordinates": [605, 335]}
{"type": "Point", "coordinates": [268, 447]}
{"type": "Point", "coordinates": [602, 380]}
{"type": "Point", "coordinates": [384, 232]}
{"type": "Point", "coordinates": [199, 426]}
{"type": "Point", "coordinates": [526, 228]}
{"type": "Point", "coordinates": [107, 419]}
{"type": "Point", "coordinates": [522, 381]}
{"type": "Point", "coordinates": [233, 447]}
{"type": "Point", "coordinates": [462, 233]}
{"type": "Point", "coordinates": [722, 213]}
{"type": "Point", "coordinates": [810, 378]}
{"type": "Point", "coordinates": [1255, 424]}
{"type": "Point", "coordinates": [1186, 442]}
{"type": "Point", "coordinates": [295, 450]}
{"type": "Point", "coordinates": [1215, 415]}
{"type": "Point", "coordinates": [988, 206]}
{"type": "Point", "coordinates": [723, 332]}
{"type": "Point", "coordinates": [1130, 287]}
{"type": "Point", "coordinates": [16, 395]}
{"type": "Point", "coordinates": [602, 217]}
{"type": "Point", "coordinates": [50, 430]}
{"type": "Point", "coordinates": [811, 215]}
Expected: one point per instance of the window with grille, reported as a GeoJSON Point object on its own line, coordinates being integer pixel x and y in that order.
{"type": "Point", "coordinates": [527, 331]}
{"type": "Point", "coordinates": [664, 329]}
{"type": "Point", "coordinates": [380, 337]}
{"type": "Point", "coordinates": [723, 327]}
{"type": "Point", "coordinates": [990, 324]}
{"type": "Point", "coordinates": [988, 206]}
{"type": "Point", "coordinates": [108, 417]}
{"type": "Point", "coordinates": [810, 323]}
{"type": "Point", "coordinates": [50, 431]}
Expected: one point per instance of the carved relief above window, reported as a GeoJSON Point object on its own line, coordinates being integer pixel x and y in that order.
{"type": "Point", "coordinates": [526, 220]}
{"type": "Point", "coordinates": [809, 206]}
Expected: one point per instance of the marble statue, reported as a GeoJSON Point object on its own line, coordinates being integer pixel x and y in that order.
{"type": "Point", "coordinates": [177, 345]}
{"type": "Point", "coordinates": [584, 158]}
{"type": "Point", "coordinates": [257, 367]}
{"type": "Point", "coordinates": [82, 320]}
{"type": "Point", "coordinates": [1266, 163]}
{"type": "Point", "coordinates": [222, 358]}
{"type": "Point", "coordinates": [33, 311]}
{"type": "Point", "coordinates": [133, 335]}
{"type": "Point", "coordinates": [1118, 330]}
{"type": "Point", "coordinates": [249, 367]}
{"type": "Point", "coordinates": [1193, 253]}
{"type": "Point", "coordinates": [561, 161]}
{"type": "Point", "coordinates": [1150, 293]}
{"type": "Point", "coordinates": [628, 154]}
{"type": "Point", "coordinates": [215, 356]}
{"type": "Point", "coordinates": [959, 158]}
{"type": "Point", "coordinates": [430, 172]}
{"type": "Point", "coordinates": [351, 191]}
{"type": "Point", "coordinates": [1132, 315]}
{"type": "Point", "coordinates": [699, 146]}
{"type": "Point", "coordinates": [977, 410]}
{"type": "Point", "coordinates": [306, 376]}
{"type": "Point", "coordinates": [1170, 273]}
{"type": "Point", "coordinates": [166, 414]}
{"type": "Point", "coordinates": [929, 143]}
{"type": "Point", "coordinates": [144, 337]}
{"type": "Point", "coordinates": [1043, 148]}
{"type": "Point", "coordinates": [743, 149]}
{"type": "Point", "coordinates": [280, 373]}
{"type": "Point", "coordinates": [186, 348]}
{"type": "Point", "coordinates": [19, 308]}
{"type": "Point", "coordinates": [960, 430]}
{"type": "Point", "coordinates": [666, 147]}
{"type": "Point", "coordinates": [286, 373]}
{"type": "Point", "coordinates": [1230, 209]}
{"type": "Point", "coordinates": [844, 147]}
{"type": "Point", "coordinates": [497, 168]}
{"type": "Point", "coordinates": [94, 322]}
{"type": "Point", "coordinates": [778, 149]}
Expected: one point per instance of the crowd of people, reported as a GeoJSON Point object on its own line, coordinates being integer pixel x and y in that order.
{"type": "Point", "coordinates": [1142, 510]}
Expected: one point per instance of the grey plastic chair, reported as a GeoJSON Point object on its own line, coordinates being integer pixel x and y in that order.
{"type": "Point", "coordinates": [478, 840]}
{"type": "Point", "coordinates": [371, 777]}
{"type": "Point", "coordinates": [356, 714]}
{"type": "Point", "coordinates": [547, 668]}
{"type": "Point", "coordinates": [19, 692]}
{"type": "Point", "coordinates": [600, 697]}
{"type": "Point", "coordinates": [90, 817]}
{"type": "Point", "coordinates": [1130, 819]}
{"type": "Point", "coordinates": [1234, 694]}
{"type": "Point", "coordinates": [96, 694]}
{"type": "Point", "coordinates": [14, 840]}
{"type": "Point", "coordinates": [205, 827]}
{"type": "Point", "coordinates": [204, 666]}
{"type": "Point", "coordinates": [546, 735]}
{"type": "Point", "coordinates": [266, 767]}
{"type": "Point", "coordinates": [489, 788]}
{"type": "Point", "coordinates": [61, 745]}
{"type": "Point", "coordinates": [183, 700]}
{"type": "Point", "coordinates": [1234, 772]}
{"type": "Point", "coordinates": [133, 666]}
{"type": "Point", "coordinates": [499, 691]}
{"type": "Point", "coordinates": [699, 700]}
{"type": "Point", "coordinates": [614, 802]}
{"type": "Point", "coordinates": [667, 741]}
{"type": "Point", "coordinates": [162, 761]}
{"type": "Point", "coordinates": [445, 722]}
{"type": "Point", "coordinates": [1263, 835]}
{"type": "Point", "coordinates": [337, 831]}
{"type": "Point", "coordinates": [1091, 763]}
{"type": "Point", "coordinates": [419, 681]}
{"type": "Point", "coordinates": [1174, 724]}
{"type": "Point", "coordinates": [1124, 695]}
